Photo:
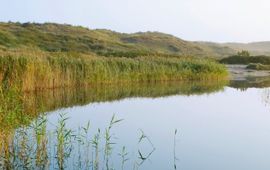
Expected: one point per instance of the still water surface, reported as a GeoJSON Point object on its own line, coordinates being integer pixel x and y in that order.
{"type": "Point", "coordinates": [219, 126]}
{"type": "Point", "coordinates": [228, 129]}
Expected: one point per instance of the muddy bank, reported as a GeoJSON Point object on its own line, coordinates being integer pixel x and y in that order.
{"type": "Point", "coordinates": [242, 78]}
{"type": "Point", "coordinates": [239, 72]}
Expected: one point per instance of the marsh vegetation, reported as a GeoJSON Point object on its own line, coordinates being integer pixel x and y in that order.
{"type": "Point", "coordinates": [35, 147]}
{"type": "Point", "coordinates": [54, 77]}
{"type": "Point", "coordinates": [46, 56]}
{"type": "Point", "coordinates": [44, 71]}
{"type": "Point", "coordinates": [244, 57]}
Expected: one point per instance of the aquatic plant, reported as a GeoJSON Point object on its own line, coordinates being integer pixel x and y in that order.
{"type": "Point", "coordinates": [239, 59]}
{"type": "Point", "coordinates": [40, 70]}
{"type": "Point", "coordinates": [40, 132]}
{"type": "Point", "coordinates": [84, 147]}
{"type": "Point", "coordinates": [64, 141]}
{"type": "Point", "coordinates": [95, 157]}
{"type": "Point", "coordinates": [32, 147]}
{"type": "Point", "coordinates": [123, 154]}
{"type": "Point", "coordinates": [144, 156]}
{"type": "Point", "coordinates": [174, 150]}
{"type": "Point", "coordinates": [108, 140]}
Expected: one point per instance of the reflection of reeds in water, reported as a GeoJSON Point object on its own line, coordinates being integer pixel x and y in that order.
{"type": "Point", "coordinates": [143, 157]}
{"type": "Point", "coordinates": [30, 147]}
{"type": "Point", "coordinates": [123, 154]}
{"type": "Point", "coordinates": [54, 99]}
{"type": "Point", "coordinates": [17, 108]}
{"type": "Point", "coordinates": [266, 97]}
{"type": "Point", "coordinates": [174, 150]}
{"type": "Point", "coordinates": [251, 82]}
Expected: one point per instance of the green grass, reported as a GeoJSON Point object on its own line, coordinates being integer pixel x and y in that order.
{"type": "Point", "coordinates": [66, 38]}
{"type": "Point", "coordinates": [246, 60]}
{"type": "Point", "coordinates": [39, 70]}
{"type": "Point", "coordinates": [35, 147]}
{"type": "Point", "coordinates": [47, 56]}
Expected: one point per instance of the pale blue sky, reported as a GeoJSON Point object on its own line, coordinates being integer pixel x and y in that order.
{"type": "Point", "coordinates": [208, 20]}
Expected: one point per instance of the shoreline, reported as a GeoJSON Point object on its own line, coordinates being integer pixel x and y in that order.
{"type": "Point", "coordinates": [239, 72]}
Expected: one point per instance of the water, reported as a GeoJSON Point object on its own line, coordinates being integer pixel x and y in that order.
{"type": "Point", "coordinates": [219, 125]}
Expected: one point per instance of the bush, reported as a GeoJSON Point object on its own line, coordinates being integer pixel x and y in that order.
{"type": "Point", "coordinates": [246, 60]}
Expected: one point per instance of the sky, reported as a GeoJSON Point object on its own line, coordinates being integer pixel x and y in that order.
{"type": "Point", "coordinates": [195, 20]}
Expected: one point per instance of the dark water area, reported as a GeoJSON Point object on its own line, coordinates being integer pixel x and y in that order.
{"type": "Point", "coordinates": [176, 125]}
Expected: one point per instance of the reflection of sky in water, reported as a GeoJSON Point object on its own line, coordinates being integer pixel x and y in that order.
{"type": "Point", "coordinates": [224, 130]}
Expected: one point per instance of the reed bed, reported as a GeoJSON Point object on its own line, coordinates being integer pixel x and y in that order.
{"type": "Point", "coordinates": [36, 147]}
{"type": "Point", "coordinates": [18, 108]}
{"type": "Point", "coordinates": [39, 70]}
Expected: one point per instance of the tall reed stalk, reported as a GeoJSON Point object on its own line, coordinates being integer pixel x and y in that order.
{"type": "Point", "coordinates": [44, 71]}
{"type": "Point", "coordinates": [64, 142]}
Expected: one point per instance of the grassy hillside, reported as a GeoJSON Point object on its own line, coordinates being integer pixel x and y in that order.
{"type": "Point", "coordinates": [229, 49]}
{"type": "Point", "coordinates": [220, 50]}
{"type": "Point", "coordinates": [52, 37]}
{"type": "Point", "coordinates": [65, 38]}
{"type": "Point", "coordinates": [41, 56]}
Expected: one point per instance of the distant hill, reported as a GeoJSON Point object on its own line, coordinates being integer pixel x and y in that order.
{"type": "Point", "coordinates": [255, 48]}
{"type": "Point", "coordinates": [59, 37]}
{"type": "Point", "coordinates": [65, 38]}
{"type": "Point", "coordinates": [220, 50]}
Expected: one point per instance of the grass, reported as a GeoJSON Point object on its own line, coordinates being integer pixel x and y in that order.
{"type": "Point", "coordinates": [41, 70]}
{"type": "Point", "coordinates": [48, 56]}
{"type": "Point", "coordinates": [53, 37]}
{"type": "Point", "coordinates": [31, 147]}
{"type": "Point", "coordinates": [64, 142]}
{"type": "Point", "coordinates": [246, 60]}
{"type": "Point", "coordinates": [123, 154]}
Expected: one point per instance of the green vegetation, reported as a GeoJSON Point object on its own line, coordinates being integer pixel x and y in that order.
{"type": "Point", "coordinates": [42, 70]}
{"type": "Point", "coordinates": [36, 57]}
{"type": "Point", "coordinates": [52, 37]}
{"type": "Point", "coordinates": [63, 38]}
{"type": "Point", "coordinates": [18, 107]}
{"type": "Point", "coordinates": [243, 53]}
{"type": "Point", "coordinates": [35, 147]}
{"type": "Point", "coordinates": [216, 50]}
{"type": "Point", "coordinates": [13, 112]}
{"type": "Point", "coordinates": [245, 59]}
{"type": "Point", "coordinates": [47, 56]}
